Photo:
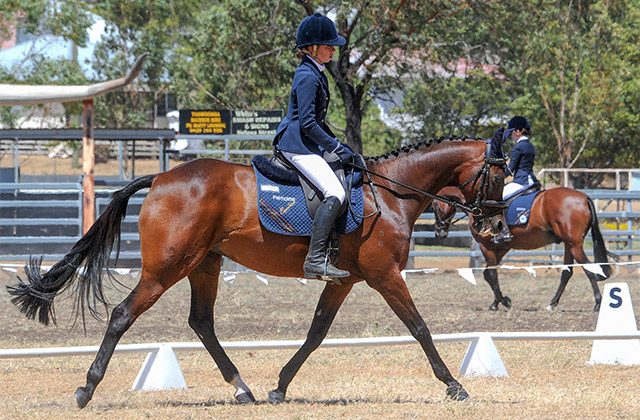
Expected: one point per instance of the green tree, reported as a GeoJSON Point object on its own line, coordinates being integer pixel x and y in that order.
{"type": "Point", "coordinates": [69, 20]}
{"type": "Point", "coordinates": [134, 27]}
{"type": "Point", "coordinates": [570, 67]}
{"type": "Point", "coordinates": [239, 53]}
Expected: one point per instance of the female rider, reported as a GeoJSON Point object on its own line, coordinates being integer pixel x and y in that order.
{"type": "Point", "coordinates": [303, 135]}
{"type": "Point", "coordinates": [523, 155]}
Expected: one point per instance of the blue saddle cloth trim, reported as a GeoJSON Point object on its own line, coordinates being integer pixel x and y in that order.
{"type": "Point", "coordinates": [282, 206]}
{"type": "Point", "coordinates": [520, 209]}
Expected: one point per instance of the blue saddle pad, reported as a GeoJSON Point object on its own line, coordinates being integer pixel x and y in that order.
{"type": "Point", "coordinates": [282, 205]}
{"type": "Point", "coordinates": [520, 209]}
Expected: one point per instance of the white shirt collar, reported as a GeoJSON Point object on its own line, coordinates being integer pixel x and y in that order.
{"type": "Point", "coordinates": [522, 138]}
{"type": "Point", "coordinates": [320, 67]}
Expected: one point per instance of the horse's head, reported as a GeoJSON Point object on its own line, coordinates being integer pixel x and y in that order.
{"type": "Point", "coordinates": [476, 167]}
{"type": "Point", "coordinates": [481, 183]}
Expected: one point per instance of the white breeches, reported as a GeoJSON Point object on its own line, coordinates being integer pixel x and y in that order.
{"type": "Point", "coordinates": [513, 188]}
{"type": "Point", "coordinates": [318, 172]}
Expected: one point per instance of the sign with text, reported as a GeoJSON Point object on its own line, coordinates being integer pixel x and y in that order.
{"type": "Point", "coordinates": [205, 121]}
{"type": "Point", "coordinates": [225, 121]}
{"type": "Point", "coordinates": [255, 123]}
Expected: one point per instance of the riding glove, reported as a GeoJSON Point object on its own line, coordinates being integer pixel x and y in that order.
{"type": "Point", "coordinates": [344, 153]}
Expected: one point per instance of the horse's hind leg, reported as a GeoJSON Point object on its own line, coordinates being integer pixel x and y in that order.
{"type": "Point", "coordinates": [141, 298]}
{"type": "Point", "coordinates": [394, 291]}
{"type": "Point", "coordinates": [204, 289]}
{"type": "Point", "coordinates": [564, 278]}
{"type": "Point", "coordinates": [581, 258]}
{"type": "Point", "coordinates": [330, 301]}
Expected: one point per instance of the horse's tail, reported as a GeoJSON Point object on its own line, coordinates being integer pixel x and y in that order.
{"type": "Point", "coordinates": [90, 254]}
{"type": "Point", "coordinates": [600, 252]}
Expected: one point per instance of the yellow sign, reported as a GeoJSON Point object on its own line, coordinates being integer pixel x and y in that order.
{"type": "Point", "coordinates": [205, 121]}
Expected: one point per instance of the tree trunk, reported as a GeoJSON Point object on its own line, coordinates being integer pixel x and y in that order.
{"type": "Point", "coordinates": [353, 116]}
{"type": "Point", "coordinates": [352, 98]}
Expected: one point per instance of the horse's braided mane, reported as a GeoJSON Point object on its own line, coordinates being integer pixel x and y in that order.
{"type": "Point", "coordinates": [426, 143]}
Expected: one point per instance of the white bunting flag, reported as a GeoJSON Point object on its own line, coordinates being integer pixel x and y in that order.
{"type": "Point", "coordinates": [595, 269]}
{"type": "Point", "coordinates": [467, 274]}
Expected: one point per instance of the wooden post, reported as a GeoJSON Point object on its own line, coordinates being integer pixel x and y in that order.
{"type": "Point", "coordinates": [88, 162]}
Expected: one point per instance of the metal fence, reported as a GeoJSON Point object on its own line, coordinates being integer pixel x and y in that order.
{"type": "Point", "coordinates": [46, 219]}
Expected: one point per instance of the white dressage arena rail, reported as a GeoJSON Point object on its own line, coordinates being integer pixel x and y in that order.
{"type": "Point", "coordinates": [616, 321]}
{"type": "Point", "coordinates": [331, 342]}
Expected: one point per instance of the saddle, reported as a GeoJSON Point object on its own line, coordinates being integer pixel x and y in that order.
{"type": "Point", "coordinates": [287, 201]}
{"type": "Point", "coordinates": [519, 206]}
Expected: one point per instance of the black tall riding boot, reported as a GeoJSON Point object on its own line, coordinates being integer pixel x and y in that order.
{"type": "Point", "coordinates": [317, 263]}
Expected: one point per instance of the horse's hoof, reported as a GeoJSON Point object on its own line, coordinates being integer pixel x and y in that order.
{"type": "Point", "coordinates": [493, 307]}
{"type": "Point", "coordinates": [276, 396]}
{"type": "Point", "coordinates": [596, 307]}
{"type": "Point", "coordinates": [506, 302]}
{"type": "Point", "coordinates": [82, 397]}
{"type": "Point", "coordinates": [245, 398]}
{"type": "Point", "coordinates": [457, 393]}
{"type": "Point", "coordinates": [549, 308]}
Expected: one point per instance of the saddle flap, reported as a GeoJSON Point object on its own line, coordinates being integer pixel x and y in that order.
{"type": "Point", "coordinates": [520, 209]}
{"type": "Point", "coordinates": [282, 200]}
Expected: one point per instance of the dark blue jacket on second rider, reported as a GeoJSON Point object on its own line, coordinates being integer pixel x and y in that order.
{"type": "Point", "coordinates": [303, 129]}
{"type": "Point", "coordinates": [523, 155]}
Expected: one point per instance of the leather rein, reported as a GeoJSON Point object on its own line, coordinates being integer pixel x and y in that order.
{"type": "Point", "coordinates": [475, 208]}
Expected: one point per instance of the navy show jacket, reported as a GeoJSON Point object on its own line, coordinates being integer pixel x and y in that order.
{"type": "Point", "coordinates": [521, 163]}
{"type": "Point", "coordinates": [303, 130]}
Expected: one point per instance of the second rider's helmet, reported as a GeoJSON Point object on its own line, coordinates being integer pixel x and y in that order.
{"type": "Point", "coordinates": [318, 29]}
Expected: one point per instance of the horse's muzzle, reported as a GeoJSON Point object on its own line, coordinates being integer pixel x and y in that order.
{"type": "Point", "coordinates": [489, 226]}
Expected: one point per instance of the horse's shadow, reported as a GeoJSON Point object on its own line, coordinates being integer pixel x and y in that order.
{"type": "Point", "coordinates": [299, 401]}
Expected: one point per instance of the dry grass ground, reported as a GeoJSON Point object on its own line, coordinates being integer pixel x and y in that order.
{"type": "Point", "coordinates": [548, 380]}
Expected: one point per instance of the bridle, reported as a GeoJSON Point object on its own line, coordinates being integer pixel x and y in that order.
{"type": "Point", "coordinates": [475, 209]}
{"type": "Point", "coordinates": [483, 174]}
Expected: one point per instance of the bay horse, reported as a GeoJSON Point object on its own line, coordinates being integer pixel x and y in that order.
{"type": "Point", "coordinates": [202, 210]}
{"type": "Point", "coordinates": [558, 215]}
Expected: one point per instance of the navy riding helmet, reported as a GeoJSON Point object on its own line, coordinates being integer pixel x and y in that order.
{"type": "Point", "coordinates": [318, 29]}
{"type": "Point", "coordinates": [518, 123]}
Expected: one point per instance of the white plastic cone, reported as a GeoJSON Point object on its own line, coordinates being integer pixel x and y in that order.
{"type": "Point", "coordinates": [160, 370]}
{"type": "Point", "coordinates": [616, 316]}
{"type": "Point", "coordinates": [482, 359]}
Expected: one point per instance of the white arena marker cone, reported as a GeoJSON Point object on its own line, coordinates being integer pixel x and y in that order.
{"type": "Point", "coordinates": [159, 371]}
{"type": "Point", "coordinates": [616, 316]}
{"type": "Point", "coordinates": [482, 359]}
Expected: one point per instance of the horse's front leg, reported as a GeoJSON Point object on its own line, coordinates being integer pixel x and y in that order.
{"type": "Point", "coordinates": [493, 258]}
{"type": "Point", "coordinates": [330, 301]}
{"type": "Point", "coordinates": [204, 290]}
{"type": "Point", "coordinates": [394, 291]}
{"type": "Point", "coordinates": [491, 276]}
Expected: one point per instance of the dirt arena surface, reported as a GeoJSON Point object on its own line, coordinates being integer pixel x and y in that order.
{"type": "Point", "coordinates": [547, 379]}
